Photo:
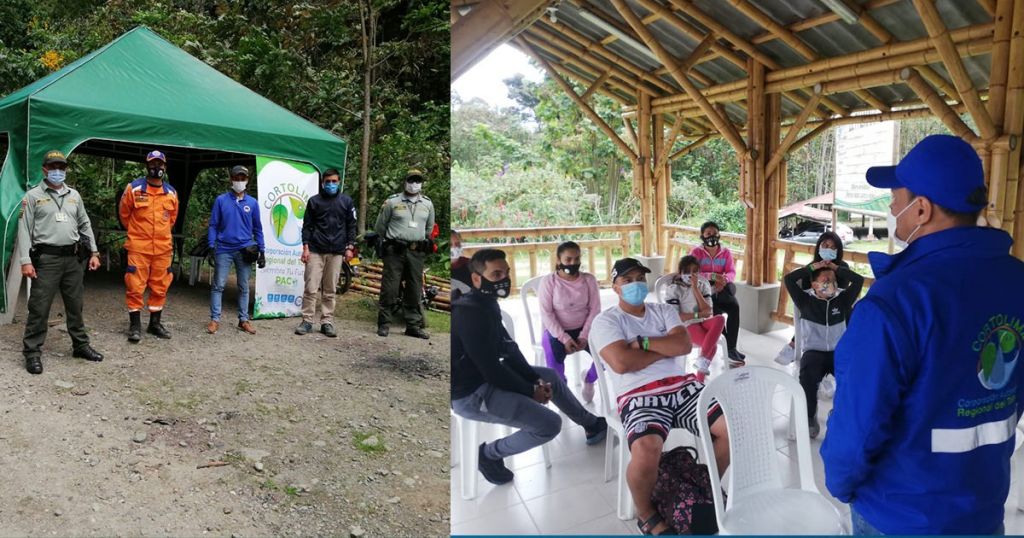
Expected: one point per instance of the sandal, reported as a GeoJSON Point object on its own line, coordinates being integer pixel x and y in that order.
{"type": "Point", "coordinates": [647, 526]}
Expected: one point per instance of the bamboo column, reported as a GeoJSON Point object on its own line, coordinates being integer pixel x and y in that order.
{"type": "Point", "coordinates": [662, 182]}
{"type": "Point", "coordinates": [756, 134]}
{"type": "Point", "coordinates": [773, 120]}
{"type": "Point", "coordinates": [1013, 124]}
{"type": "Point", "coordinates": [642, 173]}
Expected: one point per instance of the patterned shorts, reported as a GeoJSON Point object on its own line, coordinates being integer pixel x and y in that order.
{"type": "Point", "coordinates": [661, 405]}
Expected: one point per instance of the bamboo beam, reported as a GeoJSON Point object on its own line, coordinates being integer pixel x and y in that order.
{"type": "Point", "coordinates": [680, 24]}
{"type": "Point", "coordinates": [698, 52]}
{"type": "Point", "coordinates": [668, 143]}
{"type": "Point", "coordinates": [787, 37]}
{"type": "Point", "coordinates": [538, 37]}
{"type": "Point", "coordinates": [1000, 63]}
{"type": "Point", "coordinates": [628, 85]}
{"type": "Point", "coordinates": [937, 105]}
{"type": "Point", "coordinates": [826, 18]}
{"type": "Point", "coordinates": [596, 84]}
{"type": "Point", "coordinates": [942, 41]}
{"type": "Point", "coordinates": [568, 73]}
{"type": "Point", "coordinates": [791, 135]}
{"type": "Point", "coordinates": [989, 6]}
{"type": "Point", "coordinates": [488, 25]}
{"type": "Point", "coordinates": [938, 81]}
{"type": "Point", "coordinates": [800, 142]}
{"type": "Point", "coordinates": [872, 100]}
{"type": "Point", "coordinates": [690, 147]}
{"type": "Point", "coordinates": [1013, 124]}
{"type": "Point", "coordinates": [612, 135]}
{"type": "Point", "coordinates": [709, 22]}
{"type": "Point", "coordinates": [723, 125]}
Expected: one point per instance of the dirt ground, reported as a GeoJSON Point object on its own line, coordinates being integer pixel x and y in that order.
{"type": "Point", "coordinates": [320, 436]}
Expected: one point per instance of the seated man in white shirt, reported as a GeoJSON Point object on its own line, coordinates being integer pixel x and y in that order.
{"type": "Point", "coordinates": [639, 343]}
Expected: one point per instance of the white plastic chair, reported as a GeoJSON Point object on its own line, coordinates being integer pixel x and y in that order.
{"type": "Point", "coordinates": [536, 333]}
{"type": "Point", "coordinates": [608, 408]}
{"type": "Point", "coordinates": [468, 433]}
{"type": "Point", "coordinates": [758, 502]}
{"type": "Point", "coordinates": [798, 352]}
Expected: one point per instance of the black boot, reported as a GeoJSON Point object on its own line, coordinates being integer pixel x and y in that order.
{"type": "Point", "coordinates": [155, 327]}
{"type": "Point", "coordinates": [134, 327]}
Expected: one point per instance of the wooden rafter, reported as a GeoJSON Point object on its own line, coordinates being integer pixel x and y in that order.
{"type": "Point", "coordinates": [690, 147]}
{"type": "Point", "coordinates": [954, 64]}
{"type": "Point", "coordinates": [594, 86]}
{"type": "Point", "coordinates": [628, 86]}
{"type": "Point", "coordinates": [938, 106]}
{"type": "Point", "coordinates": [800, 142]}
{"type": "Point", "coordinates": [787, 37]}
{"type": "Point", "coordinates": [594, 117]}
{"type": "Point", "coordinates": [794, 130]}
{"type": "Point", "coordinates": [722, 124]}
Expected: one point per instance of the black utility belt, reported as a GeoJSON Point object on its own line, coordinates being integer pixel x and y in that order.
{"type": "Point", "coordinates": [54, 250]}
{"type": "Point", "coordinates": [420, 246]}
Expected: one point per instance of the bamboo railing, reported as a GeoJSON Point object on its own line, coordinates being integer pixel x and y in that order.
{"type": "Point", "coordinates": [682, 239]}
{"type": "Point", "coordinates": [599, 253]}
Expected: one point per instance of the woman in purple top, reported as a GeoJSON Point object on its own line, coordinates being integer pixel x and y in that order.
{"type": "Point", "coordinates": [569, 302]}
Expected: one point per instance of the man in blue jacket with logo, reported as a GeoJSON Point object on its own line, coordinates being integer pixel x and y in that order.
{"type": "Point", "coordinates": [928, 383]}
{"type": "Point", "coordinates": [236, 235]}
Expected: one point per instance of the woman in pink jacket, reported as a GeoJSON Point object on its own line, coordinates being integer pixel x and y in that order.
{"type": "Point", "coordinates": [716, 265]}
{"type": "Point", "coordinates": [569, 302]}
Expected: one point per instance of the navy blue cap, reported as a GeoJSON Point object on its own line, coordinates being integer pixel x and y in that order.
{"type": "Point", "coordinates": [943, 168]}
{"type": "Point", "coordinates": [626, 265]}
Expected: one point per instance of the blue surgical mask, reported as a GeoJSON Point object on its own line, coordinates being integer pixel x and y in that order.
{"type": "Point", "coordinates": [56, 177]}
{"type": "Point", "coordinates": [634, 293]}
{"type": "Point", "coordinates": [828, 254]}
{"type": "Point", "coordinates": [331, 188]}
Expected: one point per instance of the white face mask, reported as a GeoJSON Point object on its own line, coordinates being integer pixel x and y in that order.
{"type": "Point", "coordinates": [239, 186]}
{"type": "Point", "coordinates": [456, 252]}
{"type": "Point", "coordinates": [890, 223]}
{"type": "Point", "coordinates": [413, 188]}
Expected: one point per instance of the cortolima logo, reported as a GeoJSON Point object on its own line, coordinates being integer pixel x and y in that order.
{"type": "Point", "coordinates": [286, 217]}
{"type": "Point", "coordinates": [999, 344]}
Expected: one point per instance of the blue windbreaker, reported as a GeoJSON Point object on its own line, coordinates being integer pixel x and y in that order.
{"type": "Point", "coordinates": [928, 387]}
{"type": "Point", "coordinates": [234, 223]}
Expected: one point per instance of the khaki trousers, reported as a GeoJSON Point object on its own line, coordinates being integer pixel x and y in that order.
{"type": "Point", "coordinates": [321, 276]}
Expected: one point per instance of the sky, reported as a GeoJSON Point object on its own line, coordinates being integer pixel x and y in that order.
{"type": "Point", "coordinates": [484, 80]}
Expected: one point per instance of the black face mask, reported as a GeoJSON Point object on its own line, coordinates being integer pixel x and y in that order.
{"type": "Point", "coordinates": [498, 289]}
{"type": "Point", "coordinates": [710, 241]}
{"type": "Point", "coordinates": [156, 173]}
{"type": "Point", "coordinates": [570, 269]}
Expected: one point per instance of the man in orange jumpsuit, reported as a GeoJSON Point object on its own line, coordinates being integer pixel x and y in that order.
{"type": "Point", "coordinates": [148, 209]}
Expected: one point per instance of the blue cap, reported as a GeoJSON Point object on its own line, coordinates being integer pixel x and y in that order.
{"type": "Point", "coordinates": [943, 168]}
{"type": "Point", "coordinates": [156, 154]}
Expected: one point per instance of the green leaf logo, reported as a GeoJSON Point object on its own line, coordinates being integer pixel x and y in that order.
{"type": "Point", "coordinates": [988, 359]}
{"type": "Point", "coordinates": [298, 208]}
{"type": "Point", "coordinates": [279, 216]}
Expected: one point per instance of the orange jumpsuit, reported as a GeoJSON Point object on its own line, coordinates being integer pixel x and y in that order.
{"type": "Point", "coordinates": [148, 213]}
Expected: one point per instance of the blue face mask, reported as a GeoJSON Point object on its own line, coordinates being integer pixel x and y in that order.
{"type": "Point", "coordinates": [828, 254]}
{"type": "Point", "coordinates": [56, 176]}
{"type": "Point", "coordinates": [634, 293]}
{"type": "Point", "coordinates": [331, 188]}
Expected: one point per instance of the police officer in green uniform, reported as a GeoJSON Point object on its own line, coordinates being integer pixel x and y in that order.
{"type": "Point", "coordinates": [404, 224]}
{"type": "Point", "coordinates": [54, 239]}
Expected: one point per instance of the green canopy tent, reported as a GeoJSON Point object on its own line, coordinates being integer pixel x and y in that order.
{"type": "Point", "coordinates": [135, 94]}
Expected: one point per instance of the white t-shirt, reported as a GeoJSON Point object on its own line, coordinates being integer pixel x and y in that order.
{"type": "Point", "coordinates": [614, 324]}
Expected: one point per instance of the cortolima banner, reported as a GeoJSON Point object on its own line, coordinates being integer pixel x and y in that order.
{"type": "Point", "coordinates": [284, 188]}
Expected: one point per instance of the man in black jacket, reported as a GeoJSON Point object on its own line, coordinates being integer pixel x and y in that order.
{"type": "Point", "coordinates": [824, 310]}
{"type": "Point", "coordinates": [492, 382]}
{"type": "Point", "coordinates": [328, 238]}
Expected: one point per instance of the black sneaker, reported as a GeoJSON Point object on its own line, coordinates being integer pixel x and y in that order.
{"type": "Point", "coordinates": [597, 432]}
{"type": "Point", "coordinates": [328, 330]}
{"type": "Point", "coordinates": [736, 360]}
{"type": "Point", "coordinates": [382, 330]}
{"type": "Point", "coordinates": [494, 470]}
{"type": "Point", "coordinates": [304, 328]}
{"type": "Point", "coordinates": [417, 332]}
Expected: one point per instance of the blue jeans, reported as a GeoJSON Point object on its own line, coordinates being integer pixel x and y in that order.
{"type": "Point", "coordinates": [222, 264]}
{"type": "Point", "coordinates": [861, 526]}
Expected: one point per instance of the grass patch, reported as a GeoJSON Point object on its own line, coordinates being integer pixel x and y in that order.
{"type": "Point", "coordinates": [269, 484]}
{"type": "Point", "coordinates": [357, 307]}
{"type": "Point", "coordinates": [291, 491]}
{"type": "Point", "coordinates": [359, 437]}
{"type": "Point", "coordinates": [233, 457]}
{"type": "Point", "coordinates": [244, 385]}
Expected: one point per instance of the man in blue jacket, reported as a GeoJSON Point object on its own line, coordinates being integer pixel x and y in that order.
{"type": "Point", "coordinates": [236, 235]}
{"type": "Point", "coordinates": [928, 385]}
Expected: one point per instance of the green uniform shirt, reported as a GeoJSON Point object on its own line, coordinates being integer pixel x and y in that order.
{"type": "Point", "coordinates": [405, 218]}
{"type": "Point", "coordinates": [50, 217]}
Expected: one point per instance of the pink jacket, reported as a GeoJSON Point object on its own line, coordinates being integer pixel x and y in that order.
{"type": "Point", "coordinates": [721, 263]}
{"type": "Point", "coordinates": [567, 305]}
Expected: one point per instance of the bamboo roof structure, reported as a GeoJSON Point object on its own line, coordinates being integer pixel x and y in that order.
{"type": "Point", "coordinates": [760, 73]}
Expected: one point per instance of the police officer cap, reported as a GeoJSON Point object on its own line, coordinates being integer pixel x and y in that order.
{"type": "Point", "coordinates": [239, 170]}
{"type": "Point", "coordinates": [54, 156]}
{"type": "Point", "coordinates": [414, 174]}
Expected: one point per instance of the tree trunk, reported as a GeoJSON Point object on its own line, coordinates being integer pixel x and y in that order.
{"type": "Point", "coordinates": [369, 27]}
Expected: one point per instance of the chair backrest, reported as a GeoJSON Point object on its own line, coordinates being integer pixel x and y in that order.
{"type": "Point", "coordinates": [661, 286]}
{"type": "Point", "coordinates": [532, 285]}
{"type": "Point", "coordinates": [745, 395]}
{"type": "Point", "coordinates": [607, 404]}
{"type": "Point", "coordinates": [510, 325]}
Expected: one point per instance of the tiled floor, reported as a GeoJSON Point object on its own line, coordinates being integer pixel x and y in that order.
{"type": "Point", "coordinates": [572, 497]}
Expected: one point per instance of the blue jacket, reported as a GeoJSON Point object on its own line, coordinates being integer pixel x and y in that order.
{"type": "Point", "coordinates": [234, 223]}
{"type": "Point", "coordinates": [928, 387]}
